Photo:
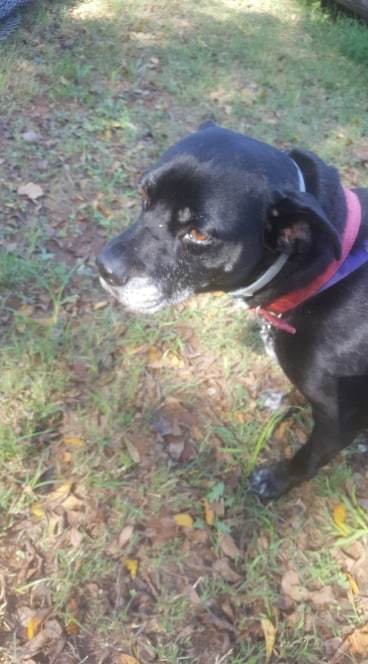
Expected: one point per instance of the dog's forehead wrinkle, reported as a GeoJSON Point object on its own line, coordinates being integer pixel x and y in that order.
{"type": "Point", "coordinates": [180, 167]}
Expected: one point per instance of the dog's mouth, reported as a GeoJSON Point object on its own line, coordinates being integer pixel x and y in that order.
{"type": "Point", "coordinates": [142, 295]}
{"type": "Point", "coordinates": [139, 294]}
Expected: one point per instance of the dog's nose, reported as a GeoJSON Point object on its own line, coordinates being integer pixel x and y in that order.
{"type": "Point", "coordinates": [110, 270]}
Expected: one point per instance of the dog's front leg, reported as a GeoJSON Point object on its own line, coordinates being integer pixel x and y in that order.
{"type": "Point", "coordinates": [335, 426]}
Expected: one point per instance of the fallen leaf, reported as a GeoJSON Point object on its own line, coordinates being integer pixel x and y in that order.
{"type": "Point", "coordinates": [358, 640]}
{"type": "Point", "coordinates": [184, 520]}
{"type": "Point", "coordinates": [125, 535]}
{"type": "Point", "coordinates": [75, 537]}
{"type": "Point", "coordinates": [100, 305]}
{"type": "Point", "coordinates": [192, 595]}
{"type": "Point", "coordinates": [155, 357]}
{"type": "Point", "coordinates": [323, 596]}
{"type": "Point", "coordinates": [176, 449]}
{"type": "Point", "coordinates": [131, 565]}
{"type": "Point", "coordinates": [72, 628]}
{"type": "Point", "coordinates": [45, 322]}
{"type": "Point", "coordinates": [73, 441]}
{"type": "Point", "coordinates": [239, 416]}
{"type": "Point", "coordinates": [339, 517]}
{"type": "Point", "coordinates": [269, 631]}
{"type": "Point", "coordinates": [71, 625]}
{"type": "Point", "coordinates": [291, 586]}
{"type": "Point", "coordinates": [38, 511]}
{"type": "Point", "coordinates": [61, 492]}
{"type": "Point", "coordinates": [228, 546]}
{"type": "Point", "coordinates": [209, 515]}
{"type": "Point", "coordinates": [353, 584]}
{"type": "Point", "coordinates": [133, 451]}
{"type": "Point", "coordinates": [52, 632]}
{"type": "Point", "coordinates": [161, 529]}
{"type": "Point", "coordinates": [281, 430]}
{"type": "Point", "coordinates": [25, 310]}
{"type": "Point", "coordinates": [222, 568]}
{"type": "Point", "coordinates": [33, 626]}
{"type": "Point", "coordinates": [31, 190]}
{"type": "Point", "coordinates": [174, 361]}
{"type": "Point", "coordinates": [218, 507]}
{"type": "Point", "coordinates": [128, 659]}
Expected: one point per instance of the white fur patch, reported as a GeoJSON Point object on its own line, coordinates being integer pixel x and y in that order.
{"type": "Point", "coordinates": [142, 295]}
{"type": "Point", "coordinates": [267, 338]}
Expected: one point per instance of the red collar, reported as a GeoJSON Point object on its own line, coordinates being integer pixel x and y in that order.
{"type": "Point", "coordinates": [281, 305]}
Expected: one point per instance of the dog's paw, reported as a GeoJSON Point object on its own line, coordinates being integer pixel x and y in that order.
{"type": "Point", "coordinates": [271, 481]}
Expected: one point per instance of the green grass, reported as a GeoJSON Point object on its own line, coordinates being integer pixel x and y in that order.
{"type": "Point", "coordinates": [108, 85]}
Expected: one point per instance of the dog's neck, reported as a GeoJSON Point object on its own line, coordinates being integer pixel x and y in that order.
{"type": "Point", "coordinates": [275, 268]}
{"type": "Point", "coordinates": [323, 182]}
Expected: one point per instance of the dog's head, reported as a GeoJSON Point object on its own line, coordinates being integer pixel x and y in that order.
{"type": "Point", "coordinates": [212, 217]}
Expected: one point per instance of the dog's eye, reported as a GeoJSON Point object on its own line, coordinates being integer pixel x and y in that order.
{"type": "Point", "coordinates": [197, 237]}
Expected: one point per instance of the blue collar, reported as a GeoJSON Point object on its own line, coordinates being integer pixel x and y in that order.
{"type": "Point", "coordinates": [354, 260]}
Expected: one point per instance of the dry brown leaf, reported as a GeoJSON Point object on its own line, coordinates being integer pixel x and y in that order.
{"type": "Point", "coordinates": [71, 626]}
{"type": "Point", "coordinates": [218, 507]}
{"type": "Point", "coordinates": [72, 503]}
{"type": "Point", "coordinates": [31, 190]}
{"type": "Point", "coordinates": [155, 357]}
{"type": "Point", "coordinates": [222, 568]}
{"type": "Point", "coordinates": [291, 586]}
{"type": "Point", "coordinates": [125, 535]}
{"type": "Point", "coordinates": [161, 529]}
{"type": "Point", "coordinates": [52, 632]}
{"type": "Point", "coordinates": [269, 631]}
{"type": "Point", "coordinates": [60, 493]}
{"type": "Point", "coordinates": [192, 595]}
{"type": "Point", "coordinates": [176, 449]}
{"type": "Point", "coordinates": [281, 430]}
{"type": "Point", "coordinates": [25, 310]}
{"type": "Point", "coordinates": [75, 537]}
{"type": "Point", "coordinates": [228, 546]}
{"type": "Point", "coordinates": [356, 642]}
{"type": "Point", "coordinates": [128, 659]}
{"type": "Point", "coordinates": [133, 451]}
{"type": "Point", "coordinates": [323, 596]}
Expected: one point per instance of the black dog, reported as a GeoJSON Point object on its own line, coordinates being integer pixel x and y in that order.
{"type": "Point", "coordinates": [221, 211]}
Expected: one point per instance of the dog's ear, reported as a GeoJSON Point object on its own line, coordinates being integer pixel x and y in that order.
{"type": "Point", "coordinates": [294, 220]}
